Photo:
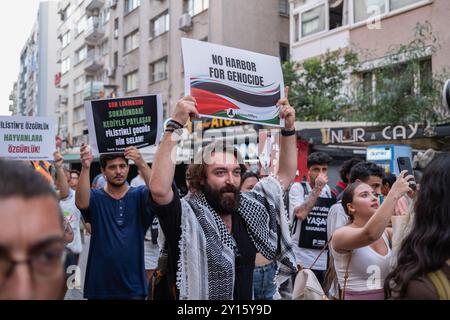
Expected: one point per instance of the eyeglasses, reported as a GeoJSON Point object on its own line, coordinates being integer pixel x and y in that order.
{"type": "Point", "coordinates": [43, 265]}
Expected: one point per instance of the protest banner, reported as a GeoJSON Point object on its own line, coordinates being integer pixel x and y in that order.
{"type": "Point", "coordinates": [115, 124]}
{"type": "Point", "coordinates": [233, 84]}
{"type": "Point", "coordinates": [27, 138]}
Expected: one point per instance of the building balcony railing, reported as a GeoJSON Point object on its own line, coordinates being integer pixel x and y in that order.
{"type": "Point", "coordinates": [92, 6]}
{"type": "Point", "coordinates": [93, 63]}
{"type": "Point", "coordinates": [93, 90]}
{"type": "Point", "coordinates": [94, 31]}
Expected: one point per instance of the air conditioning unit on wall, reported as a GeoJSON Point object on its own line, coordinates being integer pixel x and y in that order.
{"type": "Point", "coordinates": [185, 22]}
{"type": "Point", "coordinates": [111, 72]}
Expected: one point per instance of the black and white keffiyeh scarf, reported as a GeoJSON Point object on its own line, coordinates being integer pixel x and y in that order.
{"type": "Point", "coordinates": [206, 268]}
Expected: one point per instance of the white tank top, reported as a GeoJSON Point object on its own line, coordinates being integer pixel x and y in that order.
{"type": "Point", "coordinates": [367, 269]}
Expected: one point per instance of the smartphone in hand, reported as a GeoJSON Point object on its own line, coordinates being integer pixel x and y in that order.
{"type": "Point", "coordinates": [404, 163]}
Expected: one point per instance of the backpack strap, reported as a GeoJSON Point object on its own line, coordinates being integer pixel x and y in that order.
{"type": "Point", "coordinates": [320, 253]}
{"type": "Point", "coordinates": [305, 188]}
{"type": "Point", "coordinates": [440, 283]}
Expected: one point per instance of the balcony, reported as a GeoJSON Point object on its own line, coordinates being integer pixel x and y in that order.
{"type": "Point", "coordinates": [94, 6]}
{"type": "Point", "coordinates": [93, 62]}
{"type": "Point", "coordinates": [94, 31]}
{"type": "Point", "coordinates": [93, 90]}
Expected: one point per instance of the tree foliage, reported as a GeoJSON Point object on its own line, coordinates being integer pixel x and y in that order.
{"type": "Point", "coordinates": [316, 85]}
{"type": "Point", "coordinates": [400, 90]}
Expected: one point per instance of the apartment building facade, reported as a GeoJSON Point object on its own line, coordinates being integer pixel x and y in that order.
{"type": "Point", "coordinates": [374, 26]}
{"type": "Point", "coordinates": [33, 93]}
{"type": "Point", "coordinates": [133, 47]}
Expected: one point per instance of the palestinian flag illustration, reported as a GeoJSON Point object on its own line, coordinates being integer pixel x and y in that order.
{"type": "Point", "coordinates": [221, 99]}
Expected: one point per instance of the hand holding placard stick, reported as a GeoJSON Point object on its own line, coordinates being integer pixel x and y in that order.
{"type": "Point", "coordinates": [233, 84]}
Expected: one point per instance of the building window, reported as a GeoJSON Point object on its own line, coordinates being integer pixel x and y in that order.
{"type": "Point", "coordinates": [65, 13]}
{"type": "Point", "coordinates": [160, 24]}
{"type": "Point", "coordinates": [397, 4]}
{"type": "Point", "coordinates": [104, 48]}
{"type": "Point", "coordinates": [376, 80]}
{"type": "Point", "coordinates": [283, 7]}
{"type": "Point", "coordinates": [194, 7]}
{"type": "Point", "coordinates": [80, 55]}
{"type": "Point", "coordinates": [65, 65]}
{"type": "Point", "coordinates": [130, 5]}
{"type": "Point", "coordinates": [116, 28]}
{"type": "Point", "coordinates": [158, 70]}
{"type": "Point", "coordinates": [363, 9]}
{"type": "Point", "coordinates": [327, 15]}
{"type": "Point", "coordinates": [284, 52]}
{"type": "Point", "coordinates": [65, 40]}
{"type": "Point", "coordinates": [131, 41]}
{"type": "Point", "coordinates": [81, 25]}
{"type": "Point", "coordinates": [338, 13]}
{"type": "Point", "coordinates": [104, 16]}
{"type": "Point", "coordinates": [116, 59]}
{"type": "Point", "coordinates": [313, 21]}
{"type": "Point", "coordinates": [78, 84]}
{"type": "Point", "coordinates": [131, 81]}
{"type": "Point", "coordinates": [79, 114]}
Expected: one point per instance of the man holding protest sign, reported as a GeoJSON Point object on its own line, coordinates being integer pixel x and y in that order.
{"type": "Point", "coordinates": [119, 216]}
{"type": "Point", "coordinates": [214, 233]}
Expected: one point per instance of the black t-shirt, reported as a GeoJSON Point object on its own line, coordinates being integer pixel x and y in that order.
{"type": "Point", "coordinates": [170, 219]}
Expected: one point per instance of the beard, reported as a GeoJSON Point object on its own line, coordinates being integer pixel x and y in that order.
{"type": "Point", "coordinates": [221, 203]}
{"type": "Point", "coordinates": [115, 183]}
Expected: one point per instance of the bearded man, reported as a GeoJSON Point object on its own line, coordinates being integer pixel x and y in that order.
{"type": "Point", "coordinates": [214, 233]}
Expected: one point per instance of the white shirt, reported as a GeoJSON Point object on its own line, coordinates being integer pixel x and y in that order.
{"type": "Point", "coordinates": [73, 215]}
{"type": "Point", "coordinates": [137, 181]}
{"type": "Point", "coordinates": [337, 218]}
{"type": "Point", "coordinates": [305, 257]}
{"type": "Point", "coordinates": [367, 269]}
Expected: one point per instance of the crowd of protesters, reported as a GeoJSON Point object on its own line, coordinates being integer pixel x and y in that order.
{"type": "Point", "coordinates": [235, 235]}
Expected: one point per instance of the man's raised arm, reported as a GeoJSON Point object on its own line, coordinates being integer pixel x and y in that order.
{"type": "Point", "coordinates": [61, 180]}
{"type": "Point", "coordinates": [163, 168]}
{"type": "Point", "coordinates": [83, 193]}
{"type": "Point", "coordinates": [287, 166]}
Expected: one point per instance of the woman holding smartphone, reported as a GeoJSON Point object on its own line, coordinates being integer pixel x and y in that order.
{"type": "Point", "coordinates": [361, 249]}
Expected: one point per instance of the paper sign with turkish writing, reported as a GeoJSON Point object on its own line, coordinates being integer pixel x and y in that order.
{"type": "Point", "coordinates": [233, 84]}
{"type": "Point", "coordinates": [27, 138]}
{"type": "Point", "coordinates": [115, 124]}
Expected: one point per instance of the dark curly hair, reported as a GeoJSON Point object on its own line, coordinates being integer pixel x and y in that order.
{"type": "Point", "coordinates": [249, 174]}
{"type": "Point", "coordinates": [318, 158]}
{"type": "Point", "coordinates": [347, 167]}
{"type": "Point", "coordinates": [364, 170]}
{"type": "Point", "coordinates": [427, 247]}
{"type": "Point", "coordinates": [196, 172]}
{"type": "Point", "coordinates": [104, 158]}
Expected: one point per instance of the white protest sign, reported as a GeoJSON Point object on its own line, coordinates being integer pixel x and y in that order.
{"type": "Point", "coordinates": [27, 138]}
{"type": "Point", "coordinates": [233, 84]}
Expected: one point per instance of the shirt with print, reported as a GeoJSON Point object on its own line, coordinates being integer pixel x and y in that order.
{"type": "Point", "coordinates": [305, 257]}
{"type": "Point", "coordinates": [73, 216]}
{"type": "Point", "coordinates": [170, 220]}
